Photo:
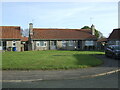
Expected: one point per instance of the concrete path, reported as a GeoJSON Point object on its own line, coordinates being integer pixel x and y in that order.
{"type": "Point", "coordinates": [109, 66]}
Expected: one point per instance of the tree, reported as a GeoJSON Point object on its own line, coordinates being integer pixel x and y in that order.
{"type": "Point", "coordinates": [85, 27]}
{"type": "Point", "coordinates": [97, 33]}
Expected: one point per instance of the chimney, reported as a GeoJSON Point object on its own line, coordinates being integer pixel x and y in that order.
{"type": "Point", "coordinates": [30, 28]}
{"type": "Point", "coordinates": [93, 29]}
{"type": "Point", "coordinates": [30, 36]}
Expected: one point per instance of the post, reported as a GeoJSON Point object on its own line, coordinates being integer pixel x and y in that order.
{"type": "Point", "coordinates": [30, 36]}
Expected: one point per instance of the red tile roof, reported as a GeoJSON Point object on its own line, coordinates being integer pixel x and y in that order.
{"type": "Point", "coordinates": [24, 39]}
{"type": "Point", "coordinates": [115, 35]}
{"type": "Point", "coordinates": [62, 34]}
{"type": "Point", "coordinates": [10, 32]}
{"type": "Point", "coordinates": [102, 40]}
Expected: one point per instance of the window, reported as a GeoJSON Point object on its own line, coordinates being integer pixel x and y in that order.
{"type": "Point", "coordinates": [13, 43]}
{"type": "Point", "coordinates": [43, 43]}
{"type": "Point", "coordinates": [0, 43]}
{"type": "Point", "coordinates": [37, 43]}
{"type": "Point", "coordinates": [64, 43]}
{"type": "Point", "coordinates": [70, 43]}
{"type": "Point", "coordinates": [53, 43]}
{"type": "Point", "coordinates": [117, 42]}
{"type": "Point", "coordinates": [89, 43]}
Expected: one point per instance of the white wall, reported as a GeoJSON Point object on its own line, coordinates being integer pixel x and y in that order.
{"type": "Point", "coordinates": [0, 47]}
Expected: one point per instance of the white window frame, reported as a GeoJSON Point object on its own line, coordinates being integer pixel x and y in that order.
{"type": "Point", "coordinates": [89, 43]}
{"type": "Point", "coordinates": [70, 43]}
{"type": "Point", "coordinates": [13, 42]}
{"type": "Point", "coordinates": [64, 43]}
{"type": "Point", "coordinates": [1, 44]}
{"type": "Point", "coordinates": [44, 43]}
{"type": "Point", "coordinates": [38, 44]}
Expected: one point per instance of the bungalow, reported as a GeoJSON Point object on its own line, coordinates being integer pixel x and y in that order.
{"type": "Point", "coordinates": [114, 37]}
{"type": "Point", "coordinates": [101, 43]}
{"type": "Point", "coordinates": [61, 39]}
{"type": "Point", "coordinates": [10, 38]}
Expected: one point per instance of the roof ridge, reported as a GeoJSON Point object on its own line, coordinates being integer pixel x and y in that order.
{"type": "Point", "coordinates": [57, 29]}
{"type": "Point", "coordinates": [9, 26]}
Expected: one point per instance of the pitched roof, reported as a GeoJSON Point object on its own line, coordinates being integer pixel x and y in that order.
{"type": "Point", "coordinates": [61, 34]}
{"type": "Point", "coordinates": [102, 40]}
{"type": "Point", "coordinates": [24, 39]}
{"type": "Point", "coordinates": [115, 35]}
{"type": "Point", "coordinates": [10, 32]}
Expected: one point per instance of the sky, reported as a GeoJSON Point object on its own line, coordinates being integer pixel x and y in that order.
{"type": "Point", "coordinates": [104, 15]}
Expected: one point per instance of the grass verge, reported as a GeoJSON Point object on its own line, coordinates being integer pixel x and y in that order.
{"type": "Point", "coordinates": [47, 60]}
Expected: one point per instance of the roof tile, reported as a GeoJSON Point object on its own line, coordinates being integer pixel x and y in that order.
{"type": "Point", "coordinates": [10, 32]}
{"type": "Point", "coordinates": [115, 35]}
{"type": "Point", "coordinates": [62, 34]}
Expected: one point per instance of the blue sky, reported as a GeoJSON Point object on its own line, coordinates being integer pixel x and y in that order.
{"type": "Point", "coordinates": [104, 15]}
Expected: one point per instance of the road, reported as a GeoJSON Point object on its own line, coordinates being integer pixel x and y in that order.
{"type": "Point", "coordinates": [107, 81]}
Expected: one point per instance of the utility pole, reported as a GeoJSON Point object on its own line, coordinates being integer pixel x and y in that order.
{"type": "Point", "coordinates": [91, 21]}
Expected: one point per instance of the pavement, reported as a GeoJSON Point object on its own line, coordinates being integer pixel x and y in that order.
{"type": "Point", "coordinates": [108, 67]}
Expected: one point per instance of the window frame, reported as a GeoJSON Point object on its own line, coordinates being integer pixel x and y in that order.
{"type": "Point", "coordinates": [37, 42]}
{"type": "Point", "coordinates": [89, 43]}
{"type": "Point", "coordinates": [64, 43]}
{"type": "Point", "coordinates": [13, 42]}
{"type": "Point", "coordinates": [71, 43]}
{"type": "Point", "coordinates": [44, 44]}
{"type": "Point", "coordinates": [0, 43]}
{"type": "Point", "coordinates": [53, 43]}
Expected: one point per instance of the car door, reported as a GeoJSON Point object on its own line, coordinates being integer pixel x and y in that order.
{"type": "Point", "coordinates": [111, 51]}
{"type": "Point", "coordinates": [108, 51]}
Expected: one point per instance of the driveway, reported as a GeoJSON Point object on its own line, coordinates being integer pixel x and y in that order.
{"type": "Point", "coordinates": [109, 66]}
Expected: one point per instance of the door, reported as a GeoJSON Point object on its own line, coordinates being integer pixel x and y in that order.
{"type": "Point", "coordinates": [53, 45]}
{"type": "Point", "coordinates": [4, 45]}
{"type": "Point", "coordinates": [79, 43]}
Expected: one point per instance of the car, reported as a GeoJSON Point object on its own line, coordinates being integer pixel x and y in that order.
{"type": "Point", "coordinates": [113, 51]}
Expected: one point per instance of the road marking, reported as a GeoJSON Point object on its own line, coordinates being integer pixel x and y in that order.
{"type": "Point", "coordinates": [21, 80]}
{"type": "Point", "coordinates": [33, 80]}
{"type": "Point", "coordinates": [101, 74]}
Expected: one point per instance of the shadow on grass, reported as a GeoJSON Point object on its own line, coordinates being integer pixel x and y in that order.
{"type": "Point", "coordinates": [106, 61]}
{"type": "Point", "coordinates": [87, 60]}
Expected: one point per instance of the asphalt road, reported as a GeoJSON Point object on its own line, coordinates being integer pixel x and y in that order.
{"type": "Point", "coordinates": [107, 81]}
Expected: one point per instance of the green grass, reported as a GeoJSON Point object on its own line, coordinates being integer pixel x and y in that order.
{"type": "Point", "coordinates": [46, 60]}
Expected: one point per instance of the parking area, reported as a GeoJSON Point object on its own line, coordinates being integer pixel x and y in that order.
{"type": "Point", "coordinates": [109, 61]}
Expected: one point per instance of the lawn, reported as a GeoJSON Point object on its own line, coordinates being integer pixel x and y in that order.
{"type": "Point", "coordinates": [47, 60]}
